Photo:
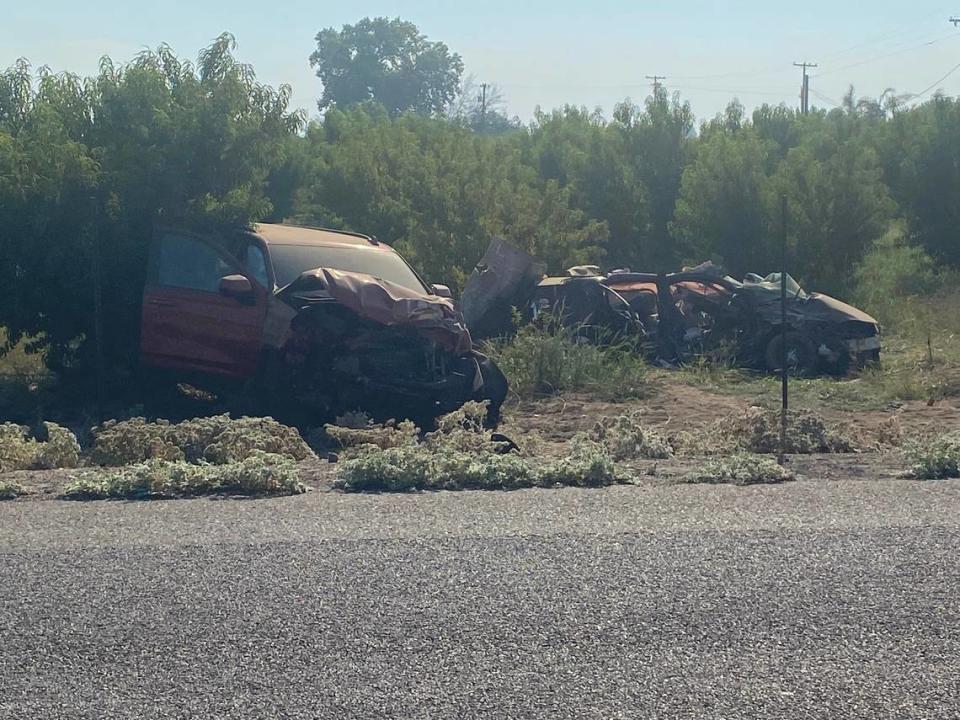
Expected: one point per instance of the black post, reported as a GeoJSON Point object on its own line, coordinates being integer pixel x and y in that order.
{"type": "Point", "coordinates": [784, 374]}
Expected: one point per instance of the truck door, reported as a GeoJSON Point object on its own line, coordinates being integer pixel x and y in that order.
{"type": "Point", "coordinates": [192, 321]}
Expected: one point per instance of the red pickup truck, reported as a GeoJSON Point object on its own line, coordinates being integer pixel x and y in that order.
{"type": "Point", "coordinates": [321, 320]}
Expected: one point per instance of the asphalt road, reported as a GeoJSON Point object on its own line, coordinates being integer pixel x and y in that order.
{"type": "Point", "coordinates": [809, 600]}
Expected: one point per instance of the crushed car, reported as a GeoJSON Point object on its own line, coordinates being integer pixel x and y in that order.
{"type": "Point", "coordinates": [675, 317]}
{"type": "Point", "coordinates": [310, 323]}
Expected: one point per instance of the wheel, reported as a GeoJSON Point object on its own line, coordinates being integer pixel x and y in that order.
{"type": "Point", "coordinates": [801, 354]}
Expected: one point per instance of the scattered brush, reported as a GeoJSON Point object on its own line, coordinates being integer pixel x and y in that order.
{"type": "Point", "coordinates": [56, 447]}
{"type": "Point", "coordinates": [627, 438]}
{"type": "Point", "coordinates": [935, 458]}
{"type": "Point", "coordinates": [259, 473]}
{"type": "Point", "coordinates": [757, 430]}
{"type": "Point", "coordinates": [461, 455]}
{"type": "Point", "coordinates": [219, 439]}
{"type": "Point", "coordinates": [10, 490]}
{"type": "Point", "coordinates": [388, 435]}
{"type": "Point", "coordinates": [740, 469]}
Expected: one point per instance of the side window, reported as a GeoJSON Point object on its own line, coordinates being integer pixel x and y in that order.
{"type": "Point", "coordinates": [256, 265]}
{"type": "Point", "coordinates": [184, 262]}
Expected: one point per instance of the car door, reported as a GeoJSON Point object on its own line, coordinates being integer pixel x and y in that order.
{"type": "Point", "coordinates": [187, 322]}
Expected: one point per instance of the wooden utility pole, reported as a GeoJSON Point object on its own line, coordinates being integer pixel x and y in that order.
{"type": "Point", "coordinates": [805, 87]}
{"type": "Point", "coordinates": [483, 106]}
{"type": "Point", "coordinates": [656, 82]}
{"type": "Point", "coordinates": [955, 21]}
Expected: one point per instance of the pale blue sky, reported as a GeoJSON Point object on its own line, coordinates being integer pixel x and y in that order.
{"type": "Point", "coordinates": [541, 53]}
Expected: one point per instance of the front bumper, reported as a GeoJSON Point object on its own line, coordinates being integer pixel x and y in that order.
{"type": "Point", "coordinates": [864, 345]}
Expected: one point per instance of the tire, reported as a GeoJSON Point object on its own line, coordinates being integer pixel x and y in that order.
{"type": "Point", "coordinates": [801, 354]}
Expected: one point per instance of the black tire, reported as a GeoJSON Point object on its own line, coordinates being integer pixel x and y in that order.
{"type": "Point", "coordinates": [801, 354]}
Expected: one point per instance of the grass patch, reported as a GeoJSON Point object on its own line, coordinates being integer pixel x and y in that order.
{"type": "Point", "coordinates": [258, 474]}
{"type": "Point", "coordinates": [935, 458]}
{"type": "Point", "coordinates": [546, 360]}
{"type": "Point", "coordinates": [740, 469]}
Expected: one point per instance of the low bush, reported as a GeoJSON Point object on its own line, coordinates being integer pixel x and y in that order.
{"type": "Point", "coordinates": [56, 448]}
{"type": "Point", "coordinates": [935, 458]}
{"type": "Point", "coordinates": [10, 490]}
{"type": "Point", "coordinates": [384, 436]}
{"type": "Point", "coordinates": [460, 455]}
{"type": "Point", "coordinates": [740, 469]}
{"type": "Point", "coordinates": [259, 473]}
{"type": "Point", "coordinates": [550, 359]}
{"type": "Point", "coordinates": [218, 439]}
{"type": "Point", "coordinates": [757, 430]}
{"type": "Point", "coordinates": [626, 438]}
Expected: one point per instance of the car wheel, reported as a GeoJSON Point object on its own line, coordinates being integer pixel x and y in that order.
{"type": "Point", "coordinates": [801, 354]}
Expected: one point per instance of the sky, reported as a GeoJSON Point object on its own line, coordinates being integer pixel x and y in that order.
{"type": "Point", "coordinates": [542, 53]}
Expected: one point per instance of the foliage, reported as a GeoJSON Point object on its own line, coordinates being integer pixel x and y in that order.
{"type": "Point", "coordinates": [757, 430]}
{"type": "Point", "coordinates": [388, 62]}
{"type": "Point", "coordinates": [257, 474]}
{"type": "Point", "coordinates": [88, 166]}
{"type": "Point", "coordinates": [56, 448]}
{"type": "Point", "coordinates": [218, 439]}
{"type": "Point", "coordinates": [740, 469]}
{"type": "Point", "coordinates": [460, 456]}
{"type": "Point", "coordinates": [935, 458]}
{"type": "Point", "coordinates": [10, 490]}
{"type": "Point", "coordinates": [547, 359]}
{"type": "Point", "coordinates": [388, 435]}
{"type": "Point", "coordinates": [626, 438]}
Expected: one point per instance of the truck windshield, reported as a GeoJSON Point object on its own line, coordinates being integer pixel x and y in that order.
{"type": "Point", "coordinates": [289, 261]}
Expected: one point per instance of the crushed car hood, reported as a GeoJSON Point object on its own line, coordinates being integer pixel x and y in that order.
{"type": "Point", "coordinates": [832, 310]}
{"type": "Point", "coordinates": [386, 303]}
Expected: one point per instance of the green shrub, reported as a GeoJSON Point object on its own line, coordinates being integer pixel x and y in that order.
{"type": "Point", "coordinates": [218, 439]}
{"type": "Point", "coordinates": [388, 435]}
{"type": "Point", "coordinates": [935, 458]}
{"type": "Point", "coordinates": [740, 469]}
{"type": "Point", "coordinates": [548, 360]}
{"type": "Point", "coordinates": [10, 490]}
{"type": "Point", "coordinates": [757, 430]}
{"type": "Point", "coordinates": [258, 473]}
{"type": "Point", "coordinates": [626, 438]}
{"type": "Point", "coordinates": [460, 455]}
{"type": "Point", "coordinates": [20, 451]}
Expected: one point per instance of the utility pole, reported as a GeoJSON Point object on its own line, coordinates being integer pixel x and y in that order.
{"type": "Point", "coordinates": [656, 82]}
{"type": "Point", "coordinates": [483, 106]}
{"type": "Point", "coordinates": [805, 87]}
{"type": "Point", "coordinates": [955, 21]}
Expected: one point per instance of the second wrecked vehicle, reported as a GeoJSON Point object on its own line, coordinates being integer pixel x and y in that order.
{"type": "Point", "coordinates": [317, 320]}
{"type": "Point", "coordinates": [678, 316]}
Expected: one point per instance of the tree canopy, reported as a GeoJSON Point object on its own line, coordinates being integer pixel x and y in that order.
{"type": "Point", "coordinates": [384, 61]}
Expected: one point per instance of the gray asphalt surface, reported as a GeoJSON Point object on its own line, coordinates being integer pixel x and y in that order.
{"type": "Point", "coordinates": [808, 600]}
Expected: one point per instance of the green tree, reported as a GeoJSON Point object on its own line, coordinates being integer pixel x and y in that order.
{"type": "Point", "coordinates": [389, 62]}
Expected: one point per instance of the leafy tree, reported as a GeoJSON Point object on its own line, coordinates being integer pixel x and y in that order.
{"type": "Point", "coordinates": [89, 167]}
{"type": "Point", "coordinates": [385, 61]}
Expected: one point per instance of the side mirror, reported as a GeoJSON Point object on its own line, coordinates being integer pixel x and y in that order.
{"type": "Point", "coordinates": [441, 291]}
{"type": "Point", "coordinates": [236, 286]}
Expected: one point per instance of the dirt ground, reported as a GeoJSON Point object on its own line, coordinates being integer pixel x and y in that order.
{"type": "Point", "coordinates": [544, 426]}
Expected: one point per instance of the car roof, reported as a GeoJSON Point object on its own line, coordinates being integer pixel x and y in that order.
{"type": "Point", "coordinates": [274, 234]}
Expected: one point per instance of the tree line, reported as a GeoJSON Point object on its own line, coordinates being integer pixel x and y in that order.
{"type": "Point", "coordinates": [88, 166]}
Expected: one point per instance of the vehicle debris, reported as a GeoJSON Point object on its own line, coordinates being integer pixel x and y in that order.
{"type": "Point", "coordinates": [310, 323]}
{"type": "Point", "coordinates": [676, 317]}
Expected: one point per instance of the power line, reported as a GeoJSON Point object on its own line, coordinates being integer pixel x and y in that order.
{"type": "Point", "coordinates": [901, 51]}
{"type": "Point", "coordinates": [935, 83]}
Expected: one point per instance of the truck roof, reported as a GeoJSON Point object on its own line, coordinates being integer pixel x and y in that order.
{"type": "Point", "coordinates": [274, 234]}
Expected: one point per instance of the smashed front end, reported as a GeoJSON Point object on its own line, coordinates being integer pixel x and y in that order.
{"type": "Point", "coordinates": [357, 342]}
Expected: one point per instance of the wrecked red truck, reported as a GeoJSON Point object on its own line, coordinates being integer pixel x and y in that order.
{"type": "Point", "coordinates": [308, 322]}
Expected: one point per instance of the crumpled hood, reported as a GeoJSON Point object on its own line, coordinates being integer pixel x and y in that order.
{"type": "Point", "coordinates": [389, 304]}
{"type": "Point", "coordinates": [830, 309]}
